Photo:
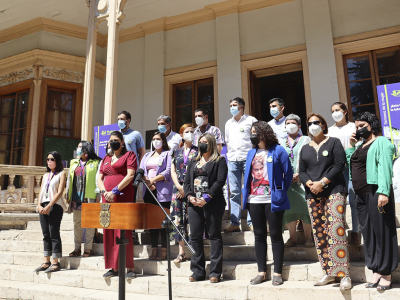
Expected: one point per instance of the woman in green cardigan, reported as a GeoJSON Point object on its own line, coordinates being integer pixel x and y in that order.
{"type": "Point", "coordinates": [371, 169]}
{"type": "Point", "coordinates": [81, 189]}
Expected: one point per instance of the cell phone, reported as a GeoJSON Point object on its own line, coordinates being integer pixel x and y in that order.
{"type": "Point", "coordinates": [358, 137]}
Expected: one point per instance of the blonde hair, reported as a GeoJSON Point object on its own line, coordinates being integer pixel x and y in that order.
{"type": "Point", "coordinates": [212, 146]}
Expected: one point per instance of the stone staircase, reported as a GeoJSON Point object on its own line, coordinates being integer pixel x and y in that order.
{"type": "Point", "coordinates": [81, 278]}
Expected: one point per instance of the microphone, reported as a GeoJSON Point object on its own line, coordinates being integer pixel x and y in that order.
{"type": "Point", "coordinates": [138, 177]}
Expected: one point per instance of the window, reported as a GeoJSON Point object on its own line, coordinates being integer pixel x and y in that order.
{"type": "Point", "coordinates": [13, 128]}
{"type": "Point", "coordinates": [59, 113]}
{"type": "Point", "coordinates": [364, 71]}
{"type": "Point", "coordinates": [189, 96]}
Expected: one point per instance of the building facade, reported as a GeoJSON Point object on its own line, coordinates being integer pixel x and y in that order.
{"type": "Point", "coordinates": [176, 56]}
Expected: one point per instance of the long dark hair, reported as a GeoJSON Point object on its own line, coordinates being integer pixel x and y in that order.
{"type": "Point", "coordinates": [119, 135]}
{"type": "Point", "coordinates": [265, 133]}
{"type": "Point", "coordinates": [165, 146]}
{"type": "Point", "coordinates": [87, 147]}
{"type": "Point", "coordinates": [57, 157]}
{"type": "Point", "coordinates": [372, 120]}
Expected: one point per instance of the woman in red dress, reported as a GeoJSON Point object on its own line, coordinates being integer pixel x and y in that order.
{"type": "Point", "coordinates": [115, 183]}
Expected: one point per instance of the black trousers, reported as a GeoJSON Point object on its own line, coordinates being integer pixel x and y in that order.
{"type": "Point", "coordinates": [210, 215]}
{"type": "Point", "coordinates": [260, 214]}
{"type": "Point", "coordinates": [379, 232]}
{"type": "Point", "coordinates": [51, 231]}
{"type": "Point", "coordinates": [154, 233]}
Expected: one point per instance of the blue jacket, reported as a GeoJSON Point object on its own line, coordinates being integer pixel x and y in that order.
{"type": "Point", "coordinates": [280, 175]}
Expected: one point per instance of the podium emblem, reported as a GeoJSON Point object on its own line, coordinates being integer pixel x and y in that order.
{"type": "Point", "coordinates": [105, 215]}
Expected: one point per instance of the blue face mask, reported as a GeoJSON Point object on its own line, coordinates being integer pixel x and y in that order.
{"type": "Point", "coordinates": [162, 128]}
{"type": "Point", "coordinates": [79, 151]}
{"type": "Point", "coordinates": [274, 111]}
{"type": "Point", "coordinates": [234, 110]}
{"type": "Point", "coordinates": [121, 124]}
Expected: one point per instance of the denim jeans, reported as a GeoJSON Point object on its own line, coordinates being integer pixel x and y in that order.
{"type": "Point", "coordinates": [352, 200]}
{"type": "Point", "coordinates": [235, 173]}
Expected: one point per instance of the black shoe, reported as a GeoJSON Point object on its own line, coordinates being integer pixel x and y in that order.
{"type": "Point", "coordinates": [42, 268]}
{"type": "Point", "coordinates": [110, 273]}
{"type": "Point", "coordinates": [53, 268]}
{"type": "Point", "coordinates": [130, 275]}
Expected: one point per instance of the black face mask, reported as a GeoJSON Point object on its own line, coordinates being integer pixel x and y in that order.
{"type": "Point", "coordinates": [363, 132]}
{"type": "Point", "coordinates": [203, 147]}
{"type": "Point", "coordinates": [115, 145]}
{"type": "Point", "coordinates": [255, 140]}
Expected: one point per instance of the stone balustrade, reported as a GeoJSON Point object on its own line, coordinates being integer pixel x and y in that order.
{"type": "Point", "coordinates": [26, 197]}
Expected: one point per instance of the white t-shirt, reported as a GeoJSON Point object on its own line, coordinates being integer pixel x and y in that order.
{"type": "Point", "coordinates": [53, 189]}
{"type": "Point", "coordinates": [260, 191]}
{"type": "Point", "coordinates": [342, 133]}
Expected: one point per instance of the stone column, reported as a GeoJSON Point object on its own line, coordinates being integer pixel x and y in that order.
{"type": "Point", "coordinates": [37, 81]}
{"type": "Point", "coordinates": [88, 88]}
{"type": "Point", "coordinates": [114, 20]}
{"type": "Point", "coordinates": [228, 57]}
{"type": "Point", "coordinates": [153, 91]}
{"type": "Point", "coordinates": [321, 56]}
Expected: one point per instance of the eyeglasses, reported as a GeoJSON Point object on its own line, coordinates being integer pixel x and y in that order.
{"type": "Point", "coordinates": [379, 209]}
{"type": "Point", "coordinates": [51, 159]}
{"type": "Point", "coordinates": [313, 122]}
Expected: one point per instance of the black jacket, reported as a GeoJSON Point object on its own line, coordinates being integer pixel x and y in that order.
{"type": "Point", "coordinates": [217, 172]}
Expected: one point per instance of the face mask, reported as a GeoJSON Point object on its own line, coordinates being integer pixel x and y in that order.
{"type": "Point", "coordinates": [51, 164]}
{"type": "Point", "coordinates": [79, 151]}
{"type": "Point", "coordinates": [274, 111]}
{"type": "Point", "coordinates": [363, 132]}
{"type": "Point", "coordinates": [337, 116]}
{"type": "Point", "coordinates": [157, 144]}
{"type": "Point", "coordinates": [199, 121]}
{"type": "Point", "coordinates": [234, 110]}
{"type": "Point", "coordinates": [115, 145]}
{"type": "Point", "coordinates": [203, 147]}
{"type": "Point", "coordinates": [188, 136]}
{"type": "Point", "coordinates": [162, 128]}
{"type": "Point", "coordinates": [292, 128]}
{"type": "Point", "coordinates": [255, 140]}
{"type": "Point", "coordinates": [314, 129]}
{"type": "Point", "coordinates": [121, 124]}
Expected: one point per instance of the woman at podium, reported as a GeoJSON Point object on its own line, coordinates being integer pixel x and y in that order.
{"type": "Point", "coordinates": [203, 186]}
{"type": "Point", "coordinates": [115, 183]}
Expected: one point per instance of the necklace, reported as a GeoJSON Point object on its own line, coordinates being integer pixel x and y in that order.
{"type": "Point", "coordinates": [115, 158]}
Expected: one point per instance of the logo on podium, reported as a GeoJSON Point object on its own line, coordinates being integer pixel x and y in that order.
{"type": "Point", "coordinates": [105, 215]}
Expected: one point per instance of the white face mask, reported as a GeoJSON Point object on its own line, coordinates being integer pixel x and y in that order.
{"type": "Point", "coordinates": [199, 121]}
{"type": "Point", "coordinates": [188, 136]}
{"type": "Point", "coordinates": [314, 130]}
{"type": "Point", "coordinates": [292, 128]}
{"type": "Point", "coordinates": [338, 116]}
{"type": "Point", "coordinates": [157, 144]}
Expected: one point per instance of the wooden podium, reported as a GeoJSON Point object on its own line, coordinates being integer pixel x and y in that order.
{"type": "Point", "coordinates": [123, 216]}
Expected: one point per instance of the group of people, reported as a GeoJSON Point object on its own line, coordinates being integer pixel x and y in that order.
{"type": "Point", "coordinates": [274, 171]}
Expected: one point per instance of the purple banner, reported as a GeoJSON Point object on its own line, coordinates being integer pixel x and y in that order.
{"type": "Point", "coordinates": [389, 106]}
{"type": "Point", "coordinates": [101, 137]}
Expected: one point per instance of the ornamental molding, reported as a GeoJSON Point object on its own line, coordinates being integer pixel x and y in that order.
{"type": "Point", "coordinates": [52, 60]}
{"type": "Point", "coordinates": [14, 77]}
{"type": "Point", "coordinates": [63, 75]}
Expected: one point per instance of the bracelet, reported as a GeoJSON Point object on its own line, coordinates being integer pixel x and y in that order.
{"type": "Point", "coordinates": [116, 191]}
{"type": "Point", "coordinates": [206, 197]}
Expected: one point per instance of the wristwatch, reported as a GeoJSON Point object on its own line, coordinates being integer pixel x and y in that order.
{"type": "Point", "coordinates": [103, 191]}
{"type": "Point", "coordinates": [323, 183]}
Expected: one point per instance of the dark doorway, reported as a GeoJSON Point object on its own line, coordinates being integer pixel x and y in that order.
{"type": "Point", "coordinates": [287, 86]}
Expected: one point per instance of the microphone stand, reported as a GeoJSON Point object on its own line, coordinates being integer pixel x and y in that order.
{"type": "Point", "coordinates": [167, 224]}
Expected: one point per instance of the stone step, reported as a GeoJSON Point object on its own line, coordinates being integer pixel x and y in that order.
{"type": "Point", "coordinates": [232, 270]}
{"type": "Point", "coordinates": [156, 287]}
{"type": "Point", "coordinates": [16, 220]}
{"type": "Point", "coordinates": [36, 290]}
